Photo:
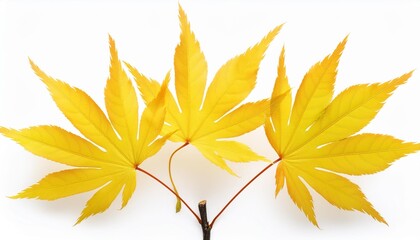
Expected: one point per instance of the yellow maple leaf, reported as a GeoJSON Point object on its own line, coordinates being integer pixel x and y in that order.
{"type": "Point", "coordinates": [204, 119]}
{"type": "Point", "coordinates": [110, 158]}
{"type": "Point", "coordinates": [315, 139]}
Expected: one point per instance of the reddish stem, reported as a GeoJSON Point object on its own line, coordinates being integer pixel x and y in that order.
{"type": "Point", "coordinates": [172, 191]}
{"type": "Point", "coordinates": [242, 189]}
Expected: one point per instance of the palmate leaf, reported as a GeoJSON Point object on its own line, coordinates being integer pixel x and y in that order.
{"type": "Point", "coordinates": [315, 138]}
{"type": "Point", "coordinates": [124, 143]}
{"type": "Point", "coordinates": [204, 118]}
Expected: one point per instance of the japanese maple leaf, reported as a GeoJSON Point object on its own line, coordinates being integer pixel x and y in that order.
{"type": "Point", "coordinates": [205, 121]}
{"type": "Point", "coordinates": [315, 139]}
{"type": "Point", "coordinates": [113, 150]}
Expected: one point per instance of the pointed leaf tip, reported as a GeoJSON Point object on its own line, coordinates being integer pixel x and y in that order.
{"type": "Point", "coordinates": [183, 19]}
{"type": "Point", "coordinates": [111, 40]}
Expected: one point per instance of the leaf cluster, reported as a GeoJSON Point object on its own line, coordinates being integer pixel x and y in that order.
{"type": "Point", "coordinates": [315, 135]}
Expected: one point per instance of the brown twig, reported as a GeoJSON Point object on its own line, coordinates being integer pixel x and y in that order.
{"type": "Point", "coordinates": [204, 222]}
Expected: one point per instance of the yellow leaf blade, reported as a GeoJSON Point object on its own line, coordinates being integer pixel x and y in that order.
{"type": "Point", "coordinates": [148, 87]}
{"type": "Point", "coordinates": [155, 146]}
{"type": "Point", "coordinates": [174, 118]}
{"type": "Point", "coordinates": [314, 94]}
{"type": "Point", "coordinates": [359, 154]}
{"type": "Point", "coordinates": [350, 111]}
{"type": "Point", "coordinates": [102, 199]}
{"type": "Point", "coordinates": [83, 113]}
{"type": "Point", "coordinates": [152, 120]}
{"type": "Point", "coordinates": [177, 136]}
{"type": "Point", "coordinates": [314, 140]}
{"type": "Point", "coordinates": [214, 157]}
{"type": "Point", "coordinates": [121, 103]}
{"type": "Point", "coordinates": [66, 183]}
{"type": "Point", "coordinates": [299, 193]}
{"type": "Point", "coordinates": [129, 187]}
{"type": "Point", "coordinates": [230, 150]}
{"type": "Point", "coordinates": [110, 164]}
{"type": "Point", "coordinates": [244, 119]}
{"type": "Point", "coordinates": [276, 136]}
{"type": "Point", "coordinates": [279, 177]}
{"type": "Point", "coordinates": [280, 106]}
{"type": "Point", "coordinates": [198, 120]}
{"type": "Point", "coordinates": [58, 145]}
{"type": "Point", "coordinates": [339, 191]}
{"type": "Point", "coordinates": [190, 74]}
{"type": "Point", "coordinates": [234, 81]}
{"type": "Point", "coordinates": [272, 135]}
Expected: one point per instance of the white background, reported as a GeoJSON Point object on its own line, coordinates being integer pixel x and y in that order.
{"type": "Point", "coordinates": [69, 41]}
